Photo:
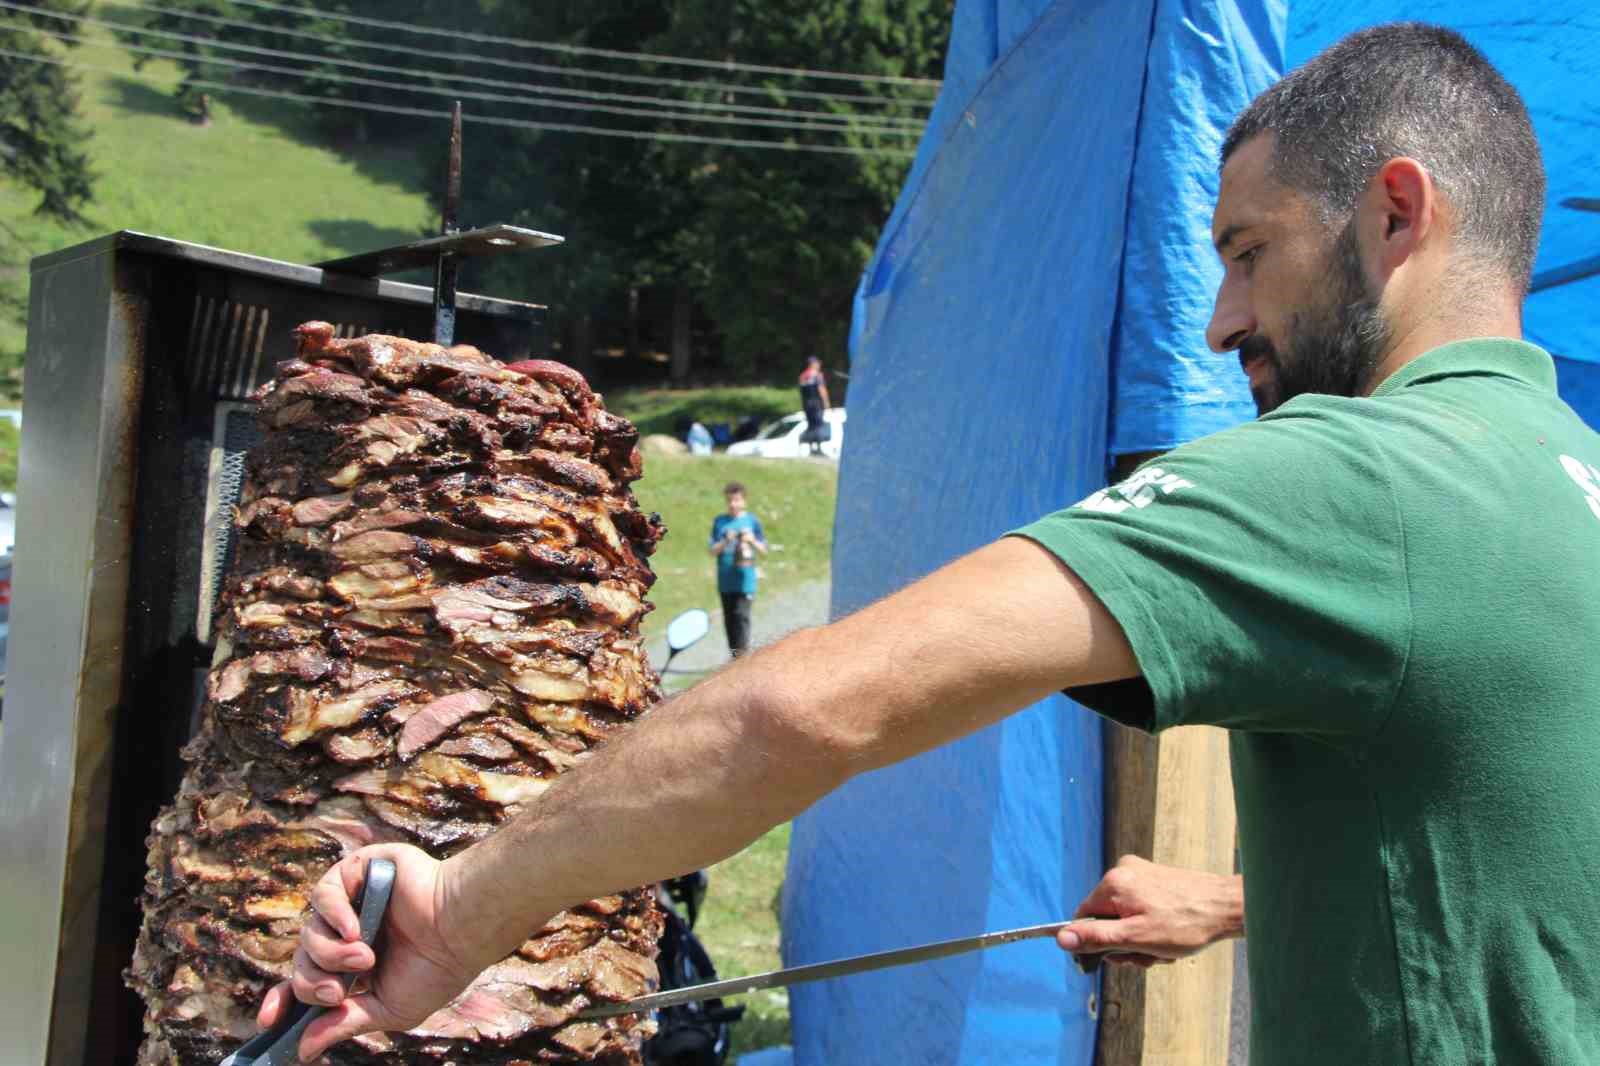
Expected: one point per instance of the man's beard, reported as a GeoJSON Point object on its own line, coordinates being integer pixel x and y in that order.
{"type": "Point", "coordinates": [1333, 349]}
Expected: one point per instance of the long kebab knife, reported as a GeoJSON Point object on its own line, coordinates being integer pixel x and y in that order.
{"type": "Point", "coordinates": [278, 1045]}
{"type": "Point", "coordinates": [819, 971]}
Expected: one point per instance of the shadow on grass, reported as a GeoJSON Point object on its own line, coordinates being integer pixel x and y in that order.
{"type": "Point", "coordinates": [358, 235]}
{"type": "Point", "coordinates": [131, 94]}
{"type": "Point", "coordinates": [397, 157]}
{"type": "Point", "coordinates": [391, 155]}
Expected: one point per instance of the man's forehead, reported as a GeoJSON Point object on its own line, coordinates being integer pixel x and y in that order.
{"type": "Point", "coordinates": [1249, 194]}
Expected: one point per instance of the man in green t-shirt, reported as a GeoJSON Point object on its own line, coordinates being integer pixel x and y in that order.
{"type": "Point", "coordinates": [1384, 587]}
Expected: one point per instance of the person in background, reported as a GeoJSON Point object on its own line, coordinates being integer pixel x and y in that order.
{"type": "Point", "coordinates": [698, 439]}
{"type": "Point", "coordinates": [814, 399]}
{"type": "Point", "coordinates": [736, 540]}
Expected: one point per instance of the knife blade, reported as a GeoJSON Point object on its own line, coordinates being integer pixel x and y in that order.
{"type": "Point", "coordinates": [819, 971]}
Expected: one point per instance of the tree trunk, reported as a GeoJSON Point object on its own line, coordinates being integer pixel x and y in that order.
{"type": "Point", "coordinates": [578, 352]}
{"type": "Point", "coordinates": [632, 351]}
{"type": "Point", "coordinates": [682, 307]}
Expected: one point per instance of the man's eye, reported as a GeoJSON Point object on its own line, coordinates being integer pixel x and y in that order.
{"type": "Point", "coordinates": [1247, 256]}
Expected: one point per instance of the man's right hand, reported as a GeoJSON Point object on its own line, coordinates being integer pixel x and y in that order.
{"type": "Point", "coordinates": [421, 970]}
{"type": "Point", "coordinates": [1150, 914]}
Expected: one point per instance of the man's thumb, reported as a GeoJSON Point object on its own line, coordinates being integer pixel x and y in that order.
{"type": "Point", "coordinates": [1091, 936]}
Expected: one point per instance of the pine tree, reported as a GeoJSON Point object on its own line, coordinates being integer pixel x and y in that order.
{"type": "Point", "coordinates": [768, 243]}
{"type": "Point", "coordinates": [782, 237]}
{"type": "Point", "coordinates": [41, 139]}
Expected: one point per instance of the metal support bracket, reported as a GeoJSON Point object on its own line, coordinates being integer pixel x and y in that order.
{"type": "Point", "coordinates": [444, 251]}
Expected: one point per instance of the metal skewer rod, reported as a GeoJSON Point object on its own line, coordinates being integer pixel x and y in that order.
{"type": "Point", "coordinates": [444, 275]}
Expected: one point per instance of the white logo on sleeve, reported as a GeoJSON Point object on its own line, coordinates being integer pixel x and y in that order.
{"type": "Point", "coordinates": [1141, 490]}
{"type": "Point", "coordinates": [1588, 479]}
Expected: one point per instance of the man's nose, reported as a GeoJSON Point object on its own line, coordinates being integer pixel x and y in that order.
{"type": "Point", "coordinates": [1231, 321]}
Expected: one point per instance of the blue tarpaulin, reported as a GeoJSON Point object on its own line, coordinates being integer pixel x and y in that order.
{"type": "Point", "coordinates": [980, 397]}
{"type": "Point", "coordinates": [1035, 306]}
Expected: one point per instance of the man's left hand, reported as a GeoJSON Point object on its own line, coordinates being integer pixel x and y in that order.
{"type": "Point", "coordinates": [1150, 914]}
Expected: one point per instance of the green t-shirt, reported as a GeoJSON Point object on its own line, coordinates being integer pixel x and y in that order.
{"type": "Point", "coordinates": [1394, 604]}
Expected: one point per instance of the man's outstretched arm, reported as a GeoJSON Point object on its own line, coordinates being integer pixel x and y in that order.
{"type": "Point", "coordinates": [712, 769]}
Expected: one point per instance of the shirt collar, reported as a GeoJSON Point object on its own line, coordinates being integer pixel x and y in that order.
{"type": "Point", "coordinates": [1501, 356]}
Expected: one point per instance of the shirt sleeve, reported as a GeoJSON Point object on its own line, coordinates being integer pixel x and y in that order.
{"type": "Point", "coordinates": [1258, 574]}
{"type": "Point", "coordinates": [716, 532]}
{"type": "Point", "coordinates": [755, 524]}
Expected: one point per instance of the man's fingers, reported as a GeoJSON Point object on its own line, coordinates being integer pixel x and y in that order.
{"type": "Point", "coordinates": [1097, 904]}
{"type": "Point", "coordinates": [276, 1001]}
{"type": "Point", "coordinates": [356, 1015]}
{"type": "Point", "coordinates": [312, 984]}
{"type": "Point", "coordinates": [332, 952]}
{"type": "Point", "coordinates": [330, 899]}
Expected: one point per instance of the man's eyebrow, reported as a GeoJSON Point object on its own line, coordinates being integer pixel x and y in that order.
{"type": "Point", "coordinates": [1227, 236]}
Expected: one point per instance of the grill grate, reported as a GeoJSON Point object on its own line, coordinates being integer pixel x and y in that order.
{"type": "Point", "coordinates": [225, 343]}
{"type": "Point", "coordinates": [234, 433]}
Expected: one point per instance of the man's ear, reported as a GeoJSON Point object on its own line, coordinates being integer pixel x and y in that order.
{"type": "Point", "coordinates": [1401, 209]}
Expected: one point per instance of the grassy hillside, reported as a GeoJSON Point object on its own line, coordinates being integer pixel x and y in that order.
{"type": "Point", "coordinates": [269, 188]}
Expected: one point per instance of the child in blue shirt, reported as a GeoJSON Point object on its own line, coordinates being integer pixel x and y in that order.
{"type": "Point", "coordinates": [736, 540]}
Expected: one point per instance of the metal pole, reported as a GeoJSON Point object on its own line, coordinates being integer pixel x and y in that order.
{"type": "Point", "coordinates": [444, 276]}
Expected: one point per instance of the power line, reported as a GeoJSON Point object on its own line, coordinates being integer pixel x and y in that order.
{"type": "Point", "coordinates": [577, 49]}
{"type": "Point", "coordinates": [408, 71]}
{"type": "Point", "coordinates": [489, 120]}
{"type": "Point", "coordinates": [913, 125]}
{"type": "Point", "coordinates": [525, 101]}
{"type": "Point", "coordinates": [541, 68]}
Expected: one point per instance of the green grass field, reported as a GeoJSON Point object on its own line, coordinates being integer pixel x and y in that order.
{"type": "Point", "coordinates": [271, 188]}
{"type": "Point", "coordinates": [10, 442]}
{"type": "Point", "coordinates": [739, 928]}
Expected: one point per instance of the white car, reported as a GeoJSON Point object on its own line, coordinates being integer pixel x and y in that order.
{"type": "Point", "coordinates": [781, 439]}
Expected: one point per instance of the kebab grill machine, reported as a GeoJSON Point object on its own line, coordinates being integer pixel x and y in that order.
{"type": "Point", "coordinates": [143, 352]}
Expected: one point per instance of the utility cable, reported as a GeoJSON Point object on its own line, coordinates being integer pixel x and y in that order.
{"type": "Point", "coordinates": [471, 94]}
{"type": "Point", "coordinates": [913, 125]}
{"type": "Point", "coordinates": [577, 49]}
{"type": "Point", "coordinates": [488, 120]}
{"type": "Point", "coordinates": [435, 55]}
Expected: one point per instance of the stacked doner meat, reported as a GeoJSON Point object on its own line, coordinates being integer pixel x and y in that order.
{"type": "Point", "coordinates": [434, 609]}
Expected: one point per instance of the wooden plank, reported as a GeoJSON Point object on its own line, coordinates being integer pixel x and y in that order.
{"type": "Point", "coordinates": [1131, 760]}
{"type": "Point", "coordinates": [1170, 800]}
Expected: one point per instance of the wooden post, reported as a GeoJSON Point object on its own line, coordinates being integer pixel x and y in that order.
{"type": "Point", "coordinates": [632, 348]}
{"type": "Point", "coordinates": [579, 351]}
{"type": "Point", "coordinates": [682, 317]}
{"type": "Point", "coordinates": [1170, 800]}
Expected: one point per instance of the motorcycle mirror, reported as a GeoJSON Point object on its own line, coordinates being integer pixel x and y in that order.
{"type": "Point", "coordinates": [686, 630]}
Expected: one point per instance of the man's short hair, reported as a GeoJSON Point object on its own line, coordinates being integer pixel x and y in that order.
{"type": "Point", "coordinates": [732, 487]}
{"type": "Point", "coordinates": [1409, 89]}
